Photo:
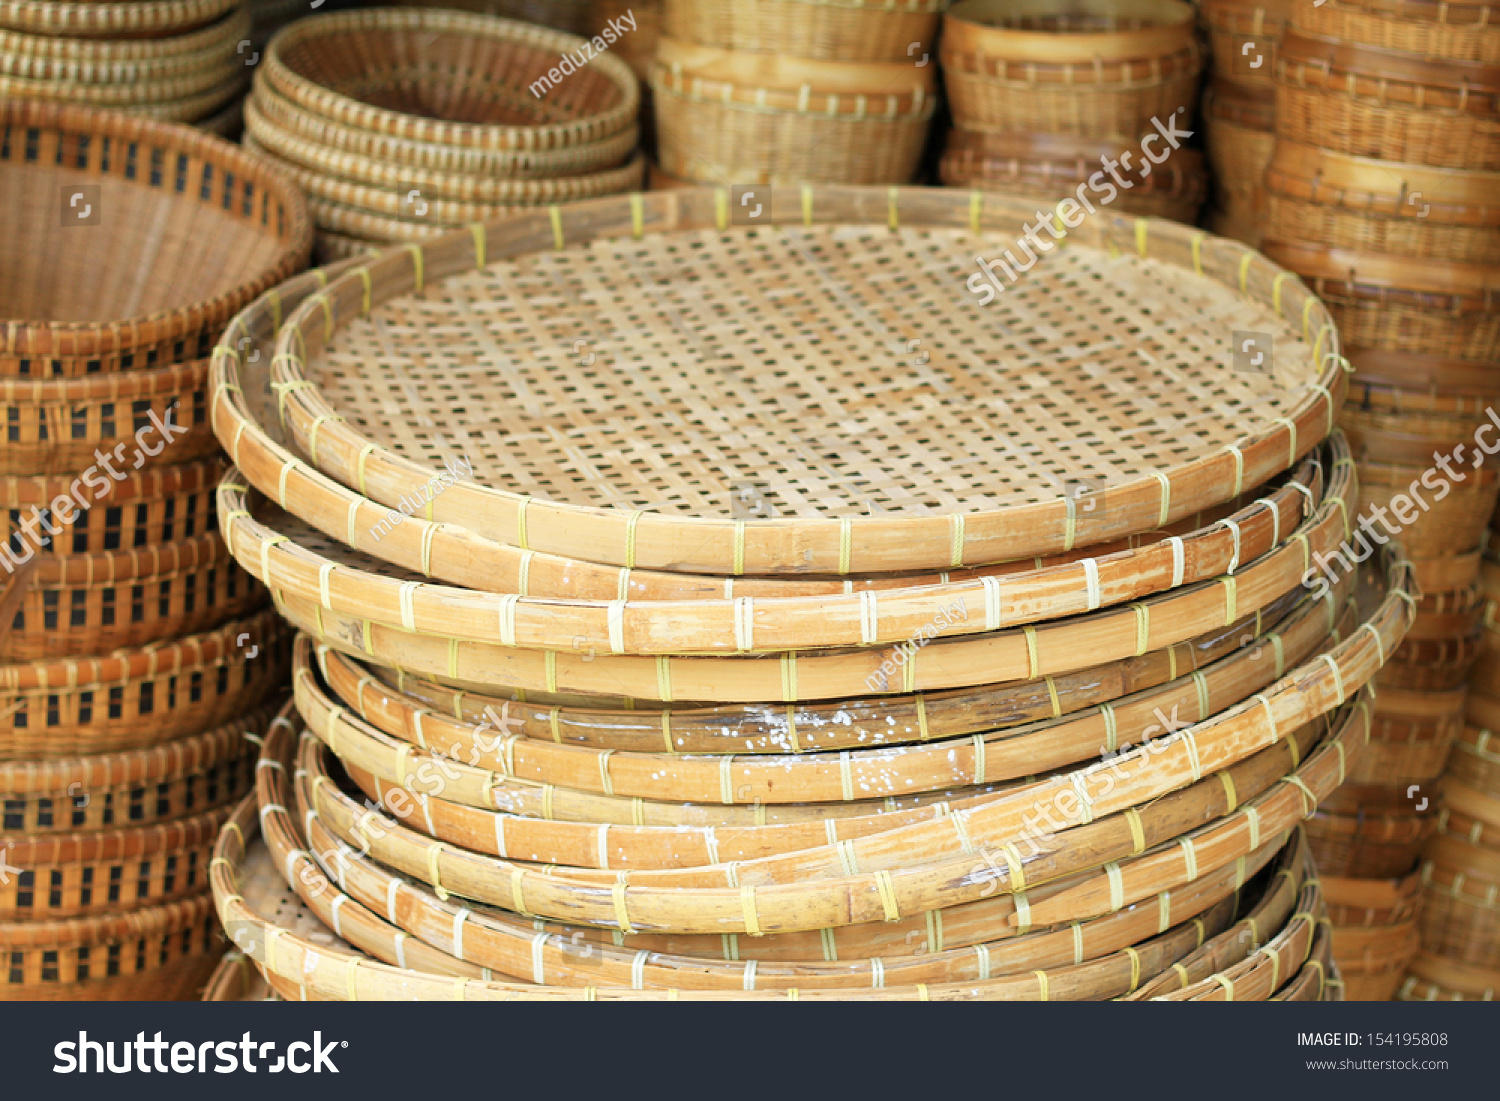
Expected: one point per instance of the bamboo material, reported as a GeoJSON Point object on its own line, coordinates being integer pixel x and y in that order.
{"type": "Point", "coordinates": [1240, 136]}
{"type": "Point", "coordinates": [1462, 31]}
{"type": "Point", "coordinates": [205, 227]}
{"type": "Point", "coordinates": [1243, 35]}
{"type": "Point", "coordinates": [829, 545]}
{"type": "Point", "coordinates": [120, 17]}
{"type": "Point", "coordinates": [236, 979]}
{"type": "Point", "coordinates": [848, 30]}
{"type": "Point", "coordinates": [1433, 978]}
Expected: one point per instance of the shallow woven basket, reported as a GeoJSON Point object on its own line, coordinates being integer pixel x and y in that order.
{"type": "Point", "coordinates": [1370, 831]}
{"type": "Point", "coordinates": [121, 61]}
{"type": "Point", "coordinates": [847, 30]}
{"type": "Point", "coordinates": [160, 953]}
{"type": "Point", "coordinates": [739, 118]}
{"type": "Point", "coordinates": [1225, 456]}
{"type": "Point", "coordinates": [140, 698]}
{"type": "Point", "coordinates": [1367, 102]}
{"type": "Point", "coordinates": [1243, 35]}
{"type": "Point", "coordinates": [140, 509]}
{"type": "Point", "coordinates": [1401, 304]}
{"type": "Point", "coordinates": [81, 874]}
{"type": "Point", "coordinates": [1101, 69]}
{"type": "Point", "coordinates": [1410, 736]}
{"type": "Point", "coordinates": [98, 603]}
{"type": "Point", "coordinates": [117, 18]}
{"type": "Point", "coordinates": [134, 789]}
{"type": "Point", "coordinates": [451, 78]}
{"type": "Point", "coordinates": [1057, 166]}
{"type": "Point", "coordinates": [1432, 664]}
{"type": "Point", "coordinates": [1372, 206]}
{"type": "Point", "coordinates": [56, 426]}
{"type": "Point", "coordinates": [200, 226]}
{"type": "Point", "coordinates": [1465, 30]}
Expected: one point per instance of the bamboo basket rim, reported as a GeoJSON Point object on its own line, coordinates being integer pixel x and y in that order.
{"type": "Point", "coordinates": [1383, 187]}
{"type": "Point", "coordinates": [1327, 61]}
{"type": "Point", "coordinates": [105, 386]}
{"type": "Point", "coordinates": [117, 843]}
{"type": "Point", "coordinates": [1170, 29]}
{"type": "Point", "coordinates": [164, 919]}
{"type": "Point", "coordinates": [15, 44]}
{"type": "Point", "coordinates": [1427, 10]}
{"type": "Point", "coordinates": [1470, 286]}
{"type": "Point", "coordinates": [149, 483]}
{"type": "Point", "coordinates": [873, 107]}
{"type": "Point", "coordinates": [107, 568]}
{"type": "Point", "coordinates": [44, 338]}
{"type": "Point", "coordinates": [1070, 78]}
{"type": "Point", "coordinates": [714, 68]}
{"type": "Point", "coordinates": [353, 113]}
{"type": "Point", "coordinates": [666, 673]}
{"type": "Point", "coordinates": [156, 764]}
{"type": "Point", "coordinates": [101, 16]}
{"type": "Point", "coordinates": [1472, 801]}
{"type": "Point", "coordinates": [45, 58]}
{"type": "Point", "coordinates": [1455, 975]}
{"type": "Point", "coordinates": [924, 542]}
{"type": "Point", "coordinates": [163, 94]}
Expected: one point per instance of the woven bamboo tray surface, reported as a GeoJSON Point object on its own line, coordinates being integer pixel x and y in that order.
{"type": "Point", "coordinates": [89, 604]}
{"type": "Point", "coordinates": [447, 77]}
{"type": "Point", "coordinates": [849, 30]}
{"type": "Point", "coordinates": [846, 541]}
{"type": "Point", "coordinates": [160, 953]}
{"type": "Point", "coordinates": [74, 875]}
{"type": "Point", "coordinates": [139, 698]}
{"type": "Point", "coordinates": [558, 958]}
{"type": "Point", "coordinates": [1368, 102]}
{"type": "Point", "coordinates": [152, 506]}
{"type": "Point", "coordinates": [137, 788]}
{"type": "Point", "coordinates": [1457, 31]}
{"type": "Point", "coordinates": [89, 18]}
{"type": "Point", "coordinates": [201, 227]}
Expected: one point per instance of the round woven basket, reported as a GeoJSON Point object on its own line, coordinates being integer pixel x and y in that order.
{"type": "Point", "coordinates": [138, 509]}
{"type": "Point", "coordinates": [573, 16]}
{"type": "Point", "coordinates": [1366, 205]}
{"type": "Point", "coordinates": [121, 18]}
{"type": "Point", "coordinates": [1370, 832]}
{"type": "Point", "coordinates": [135, 699]}
{"type": "Point", "coordinates": [1460, 917]}
{"type": "Point", "coordinates": [1372, 961]}
{"type": "Point", "coordinates": [1445, 379]}
{"type": "Point", "coordinates": [1461, 31]}
{"type": "Point", "coordinates": [1458, 520]}
{"type": "Point", "coordinates": [132, 789]}
{"type": "Point", "coordinates": [450, 78]}
{"type": "Point", "coordinates": [724, 117]}
{"type": "Point", "coordinates": [858, 541]}
{"type": "Point", "coordinates": [1372, 903]}
{"type": "Point", "coordinates": [1402, 304]}
{"type": "Point", "coordinates": [1410, 736]}
{"type": "Point", "coordinates": [1243, 35]}
{"type": "Point", "coordinates": [1434, 978]}
{"type": "Point", "coordinates": [1056, 166]}
{"type": "Point", "coordinates": [204, 226]}
{"type": "Point", "coordinates": [1238, 121]}
{"type": "Point", "coordinates": [160, 953]}
{"type": "Point", "coordinates": [124, 61]}
{"type": "Point", "coordinates": [1101, 69]}
{"type": "Point", "coordinates": [1366, 102]}
{"type": "Point", "coordinates": [849, 30]}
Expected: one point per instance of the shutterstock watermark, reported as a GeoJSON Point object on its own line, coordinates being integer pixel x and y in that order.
{"type": "Point", "coordinates": [592, 48]}
{"type": "Point", "coordinates": [1437, 479]}
{"type": "Point", "coordinates": [986, 283]}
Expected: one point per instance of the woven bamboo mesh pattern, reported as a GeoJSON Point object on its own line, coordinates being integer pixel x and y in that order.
{"type": "Point", "coordinates": [844, 30]}
{"type": "Point", "coordinates": [1458, 32]}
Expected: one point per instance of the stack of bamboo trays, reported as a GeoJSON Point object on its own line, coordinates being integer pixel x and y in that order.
{"type": "Point", "coordinates": [1066, 104]}
{"type": "Point", "coordinates": [1460, 871]}
{"type": "Point", "coordinates": [794, 91]}
{"type": "Point", "coordinates": [174, 60]}
{"type": "Point", "coordinates": [693, 708]}
{"type": "Point", "coordinates": [135, 655]}
{"type": "Point", "coordinates": [1383, 192]}
{"type": "Point", "coordinates": [1239, 109]}
{"type": "Point", "coordinates": [401, 123]}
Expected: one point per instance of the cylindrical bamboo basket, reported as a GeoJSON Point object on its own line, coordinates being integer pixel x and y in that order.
{"type": "Point", "coordinates": [854, 30]}
{"type": "Point", "coordinates": [1243, 35]}
{"type": "Point", "coordinates": [1410, 736]}
{"type": "Point", "coordinates": [1464, 30]}
{"type": "Point", "coordinates": [1239, 124]}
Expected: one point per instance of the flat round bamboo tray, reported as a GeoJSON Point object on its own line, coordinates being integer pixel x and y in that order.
{"type": "Point", "coordinates": [56, 426]}
{"type": "Point", "coordinates": [1366, 205]}
{"type": "Point", "coordinates": [1366, 102]}
{"type": "Point", "coordinates": [75, 875]}
{"type": "Point", "coordinates": [134, 789]}
{"type": "Point", "coordinates": [203, 227]}
{"type": "Point", "coordinates": [87, 18]}
{"type": "Point", "coordinates": [160, 953]}
{"type": "Point", "coordinates": [724, 117]}
{"type": "Point", "coordinates": [154, 505]}
{"type": "Point", "coordinates": [1462, 31]}
{"type": "Point", "coordinates": [92, 604]}
{"type": "Point", "coordinates": [135, 699]}
{"type": "Point", "coordinates": [1403, 304]}
{"type": "Point", "coordinates": [1243, 35]}
{"type": "Point", "coordinates": [1098, 70]}
{"type": "Point", "coordinates": [1434, 978]}
{"type": "Point", "coordinates": [447, 77]}
{"type": "Point", "coordinates": [1056, 166]}
{"type": "Point", "coordinates": [1161, 482]}
{"type": "Point", "coordinates": [849, 30]}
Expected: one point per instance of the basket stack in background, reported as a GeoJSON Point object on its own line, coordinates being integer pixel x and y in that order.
{"type": "Point", "coordinates": [135, 655]}
{"type": "Point", "coordinates": [173, 60]}
{"type": "Point", "coordinates": [1044, 103]}
{"type": "Point", "coordinates": [794, 91]}
{"type": "Point", "coordinates": [1239, 109]}
{"type": "Point", "coordinates": [1460, 871]}
{"type": "Point", "coordinates": [401, 123]}
{"type": "Point", "coordinates": [776, 719]}
{"type": "Point", "coordinates": [1383, 193]}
